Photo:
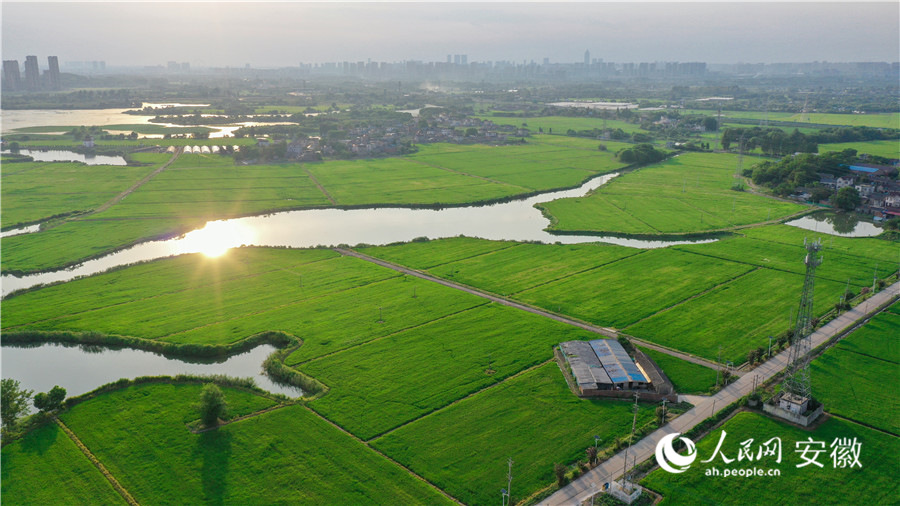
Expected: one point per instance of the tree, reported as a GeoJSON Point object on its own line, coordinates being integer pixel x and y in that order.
{"type": "Point", "coordinates": [560, 471]}
{"type": "Point", "coordinates": [846, 199]}
{"type": "Point", "coordinates": [13, 402]}
{"type": "Point", "coordinates": [212, 405]}
{"type": "Point", "coordinates": [51, 400]}
{"type": "Point", "coordinates": [591, 454]}
{"type": "Point", "coordinates": [710, 124]}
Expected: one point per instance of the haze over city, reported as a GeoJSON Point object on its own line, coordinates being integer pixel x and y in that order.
{"type": "Point", "coordinates": [284, 34]}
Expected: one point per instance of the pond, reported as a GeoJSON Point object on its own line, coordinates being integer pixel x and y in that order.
{"type": "Point", "coordinates": [80, 369]}
{"type": "Point", "coordinates": [70, 156]}
{"type": "Point", "coordinates": [517, 220]}
{"type": "Point", "coordinates": [841, 224]}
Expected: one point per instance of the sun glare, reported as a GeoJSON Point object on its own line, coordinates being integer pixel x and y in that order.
{"type": "Point", "coordinates": [216, 238]}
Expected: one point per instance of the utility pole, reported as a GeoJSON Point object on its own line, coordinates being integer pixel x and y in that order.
{"type": "Point", "coordinates": [718, 362]}
{"type": "Point", "coordinates": [633, 426]}
{"type": "Point", "coordinates": [509, 462]}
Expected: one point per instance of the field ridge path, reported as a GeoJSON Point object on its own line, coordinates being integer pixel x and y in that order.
{"type": "Point", "coordinates": [99, 465]}
{"type": "Point", "coordinates": [321, 188]}
{"type": "Point", "coordinates": [135, 186]}
{"type": "Point", "coordinates": [457, 401]}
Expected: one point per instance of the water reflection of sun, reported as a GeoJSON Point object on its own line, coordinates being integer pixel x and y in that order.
{"type": "Point", "coordinates": [216, 238]}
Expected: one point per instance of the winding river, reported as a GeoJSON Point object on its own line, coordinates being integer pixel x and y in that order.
{"type": "Point", "coordinates": [517, 220]}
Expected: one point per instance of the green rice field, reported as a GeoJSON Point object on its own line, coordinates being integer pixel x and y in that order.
{"type": "Point", "coordinates": [380, 385]}
{"type": "Point", "coordinates": [35, 191]}
{"type": "Point", "coordinates": [533, 418]}
{"type": "Point", "coordinates": [288, 453]}
{"type": "Point", "coordinates": [690, 193]}
{"type": "Point", "coordinates": [688, 378]}
{"type": "Point", "coordinates": [48, 452]}
{"type": "Point", "coordinates": [887, 149]}
{"type": "Point", "coordinates": [870, 356]}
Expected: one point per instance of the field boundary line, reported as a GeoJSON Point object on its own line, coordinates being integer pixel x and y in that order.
{"type": "Point", "coordinates": [408, 470]}
{"type": "Point", "coordinates": [248, 276]}
{"type": "Point", "coordinates": [240, 418]}
{"type": "Point", "coordinates": [411, 327]}
{"type": "Point", "coordinates": [771, 268]}
{"type": "Point", "coordinates": [864, 354]}
{"type": "Point", "coordinates": [698, 294]}
{"type": "Point", "coordinates": [321, 188]}
{"type": "Point", "coordinates": [864, 424]}
{"type": "Point", "coordinates": [578, 273]}
{"type": "Point", "coordinates": [487, 295]}
{"type": "Point", "coordinates": [457, 401]}
{"type": "Point", "coordinates": [827, 247]}
{"type": "Point", "coordinates": [483, 178]}
{"type": "Point", "coordinates": [99, 465]}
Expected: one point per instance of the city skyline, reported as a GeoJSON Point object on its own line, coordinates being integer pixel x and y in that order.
{"type": "Point", "coordinates": [224, 34]}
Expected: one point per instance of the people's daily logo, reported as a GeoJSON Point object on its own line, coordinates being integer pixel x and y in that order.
{"type": "Point", "coordinates": [666, 453]}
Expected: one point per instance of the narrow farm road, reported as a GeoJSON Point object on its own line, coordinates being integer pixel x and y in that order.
{"type": "Point", "coordinates": [493, 298]}
{"type": "Point", "coordinates": [581, 489]}
{"type": "Point", "coordinates": [115, 200]}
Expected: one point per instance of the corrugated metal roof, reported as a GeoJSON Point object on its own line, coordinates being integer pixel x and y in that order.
{"type": "Point", "coordinates": [600, 362]}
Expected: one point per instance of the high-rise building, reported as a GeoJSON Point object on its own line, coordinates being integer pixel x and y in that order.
{"type": "Point", "coordinates": [464, 59]}
{"type": "Point", "coordinates": [32, 73]}
{"type": "Point", "coordinates": [53, 72]}
{"type": "Point", "coordinates": [449, 60]}
{"type": "Point", "coordinates": [587, 57]}
{"type": "Point", "coordinates": [456, 59]}
{"type": "Point", "coordinates": [11, 79]}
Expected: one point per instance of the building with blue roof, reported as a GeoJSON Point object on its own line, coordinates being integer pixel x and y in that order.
{"type": "Point", "coordinates": [602, 364]}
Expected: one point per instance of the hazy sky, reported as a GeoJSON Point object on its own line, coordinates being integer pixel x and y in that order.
{"type": "Point", "coordinates": [284, 34]}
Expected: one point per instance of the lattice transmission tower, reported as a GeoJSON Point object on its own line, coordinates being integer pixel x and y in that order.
{"type": "Point", "coordinates": [796, 380]}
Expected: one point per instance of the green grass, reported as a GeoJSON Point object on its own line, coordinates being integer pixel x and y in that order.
{"type": "Point", "coordinates": [634, 288]}
{"type": "Point", "coordinates": [533, 418]}
{"type": "Point", "coordinates": [287, 455]}
{"type": "Point", "coordinates": [45, 467]}
{"type": "Point", "coordinates": [380, 385]}
{"type": "Point", "coordinates": [33, 191]}
{"type": "Point", "coordinates": [687, 377]}
{"type": "Point", "coordinates": [887, 149]}
{"type": "Point", "coordinates": [874, 483]}
{"type": "Point", "coordinates": [738, 316]}
{"type": "Point", "coordinates": [690, 193]}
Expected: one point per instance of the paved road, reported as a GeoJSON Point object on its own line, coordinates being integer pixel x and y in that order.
{"type": "Point", "coordinates": [580, 489]}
